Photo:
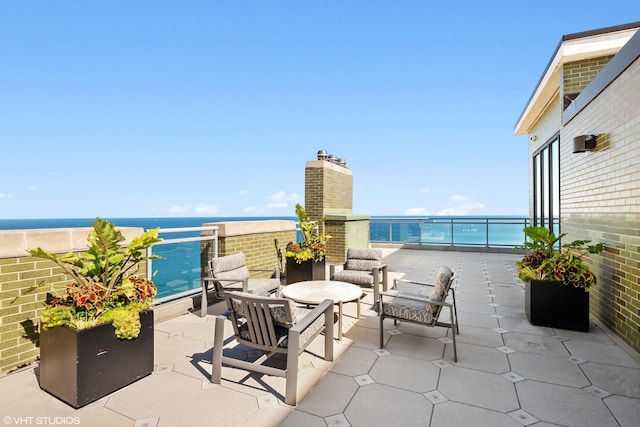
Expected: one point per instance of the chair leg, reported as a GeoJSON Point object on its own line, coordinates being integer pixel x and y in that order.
{"type": "Point", "coordinates": [454, 324]}
{"type": "Point", "coordinates": [381, 330]}
{"type": "Point", "coordinates": [218, 343]}
{"type": "Point", "coordinates": [328, 335]}
{"type": "Point", "coordinates": [291, 386]}
{"type": "Point", "coordinates": [376, 297]}
{"type": "Point", "coordinates": [455, 310]}
{"type": "Point", "coordinates": [204, 304]}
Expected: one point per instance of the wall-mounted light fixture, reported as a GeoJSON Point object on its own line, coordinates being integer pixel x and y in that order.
{"type": "Point", "coordinates": [582, 143]}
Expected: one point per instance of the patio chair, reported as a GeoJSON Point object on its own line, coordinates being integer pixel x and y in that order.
{"type": "Point", "coordinates": [422, 305]}
{"type": "Point", "coordinates": [230, 273]}
{"type": "Point", "coordinates": [275, 326]}
{"type": "Point", "coordinates": [363, 267]}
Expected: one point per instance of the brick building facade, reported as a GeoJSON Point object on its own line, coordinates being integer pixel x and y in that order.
{"type": "Point", "coordinates": [592, 87]}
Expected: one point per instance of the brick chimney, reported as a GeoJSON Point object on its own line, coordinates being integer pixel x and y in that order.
{"type": "Point", "coordinates": [329, 192]}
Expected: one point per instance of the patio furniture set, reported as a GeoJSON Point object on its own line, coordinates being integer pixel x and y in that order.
{"type": "Point", "coordinates": [276, 319]}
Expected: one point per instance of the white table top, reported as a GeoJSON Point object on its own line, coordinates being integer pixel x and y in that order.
{"type": "Point", "coordinates": [316, 291]}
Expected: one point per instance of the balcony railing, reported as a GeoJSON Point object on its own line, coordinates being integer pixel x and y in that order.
{"type": "Point", "coordinates": [487, 232]}
{"type": "Point", "coordinates": [178, 273]}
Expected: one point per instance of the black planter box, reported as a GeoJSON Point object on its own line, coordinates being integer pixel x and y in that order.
{"type": "Point", "coordinates": [549, 303]}
{"type": "Point", "coordinates": [80, 367]}
{"type": "Point", "coordinates": [307, 270]}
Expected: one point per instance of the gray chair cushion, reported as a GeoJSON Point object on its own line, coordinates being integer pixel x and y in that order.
{"type": "Point", "coordinates": [363, 259]}
{"type": "Point", "coordinates": [230, 267]}
{"type": "Point", "coordinates": [355, 277]}
{"type": "Point", "coordinates": [234, 267]}
{"type": "Point", "coordinates": [402, 308]}
{"type": "Point", "coordinates": [440, 289]}
{"type": "Point", "coordinates": [254, 286]}
{"type": "Point", "coordinates": [279, 314]}
{"type": "Point", "coordinates": [282, 333]}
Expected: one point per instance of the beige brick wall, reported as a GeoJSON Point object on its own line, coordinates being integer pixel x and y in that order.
{"type": "Point", "coordinates": [328, 189]}
{"type": "Point", "coordinates": [336, 252]}
{"type": "Point", "coordinates": [20, 307]}
{"type": "Point", "coordinates": [577, 75]}
{"type": "Point", "coordinates": [600, 192]}
{"type": "Point", "coordinates": [351, 233]}
{"type": "Point", "coordinates": [257, 240]}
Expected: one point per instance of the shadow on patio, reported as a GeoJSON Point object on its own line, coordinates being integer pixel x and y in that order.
{"type": "Point", "coordinates": [509, 373]}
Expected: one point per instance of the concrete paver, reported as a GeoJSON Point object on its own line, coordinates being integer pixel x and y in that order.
{"type": "Point", "coordinates": [509, 373]}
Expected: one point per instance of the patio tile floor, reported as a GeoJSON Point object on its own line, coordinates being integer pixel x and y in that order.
{"type": "Point", "coordinates": [509, 373]}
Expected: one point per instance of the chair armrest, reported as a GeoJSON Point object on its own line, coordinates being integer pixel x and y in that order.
{"type": "Point", "coordinates": [322, 308]}
{"type": "Point", "coordinates": [415, 297]}
{"type": "Point", "coordinates": [414, 282]}
{"type": "Point", "coordinates": [215, 279]}
{"type": "Point", "coordinates": [332, 269]}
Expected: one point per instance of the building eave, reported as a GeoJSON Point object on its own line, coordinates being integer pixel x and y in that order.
{"type": "Point", "coordinates": [572, 47]}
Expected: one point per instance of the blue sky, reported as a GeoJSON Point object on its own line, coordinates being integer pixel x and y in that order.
{"type": "Point", "coordinates": [212, 108]}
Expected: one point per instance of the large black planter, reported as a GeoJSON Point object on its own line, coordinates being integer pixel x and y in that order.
{"type": "Point", "coordinates": [307, 270]}
{"type": "Point", "coordinates": [549, 303]}
{"type": "Point", "coordinates": [80, 367]}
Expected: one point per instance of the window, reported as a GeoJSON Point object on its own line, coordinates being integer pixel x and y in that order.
{"type": "Point", "coordinates": [546, 185]}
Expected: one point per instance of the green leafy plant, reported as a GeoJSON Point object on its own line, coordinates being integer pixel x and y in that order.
{"type": "Point", "coordinates": [314, 242]}
{"type": "Point", "coordinates": [105, 286]}
{"type": "Point", "coordinates": [545, 260]}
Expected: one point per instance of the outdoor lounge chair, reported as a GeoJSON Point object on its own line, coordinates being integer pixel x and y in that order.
{"type": "Point", "coordinates": [230, 273]}
{"type": "Point", "coordinates": [363, 267]}
{"type": "Point", "coordinates": [273, 325]}
{"type": "Point", "coordinates": [422, 305]}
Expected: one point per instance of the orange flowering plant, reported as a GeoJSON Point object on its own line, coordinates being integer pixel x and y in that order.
{"type": "Point", "coordinates": [105, 287]}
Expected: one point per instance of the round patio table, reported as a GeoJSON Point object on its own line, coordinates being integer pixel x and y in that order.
{"type": "Point", "coordinates": [315, 291]}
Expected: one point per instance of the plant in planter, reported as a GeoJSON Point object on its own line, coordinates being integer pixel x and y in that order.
{"type": "Point", "coordinates": [105, 289]}
{"type": "Point", "coordinates": [308, 254]}
{"type": "Point", "coordinates": [82, 358]}
{"type": "Point", "coordinates": [557, 279]}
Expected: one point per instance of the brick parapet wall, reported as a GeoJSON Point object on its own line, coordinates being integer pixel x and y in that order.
{"type": "Point", "coordinates": [20, 309]}
{"type": "Point", "coordinates": [336, 252]}
{"type": "Point", "coordinates": [25, 282]}
{"type": "Point", "coordinates": [257, 240]}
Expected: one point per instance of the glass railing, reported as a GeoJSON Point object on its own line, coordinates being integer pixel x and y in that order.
{"type": "Point", "coordinates": [498, 232]}
{"type": "Point", "coordinates": [178, 273]}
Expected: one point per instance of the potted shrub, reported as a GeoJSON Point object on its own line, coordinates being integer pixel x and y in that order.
{"type": "Point", "coordinates": [305, 260]}
{"type": "Point", "coordinates": [96, 336]}
{"type": "Point", "coordinates": [557, 279]}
